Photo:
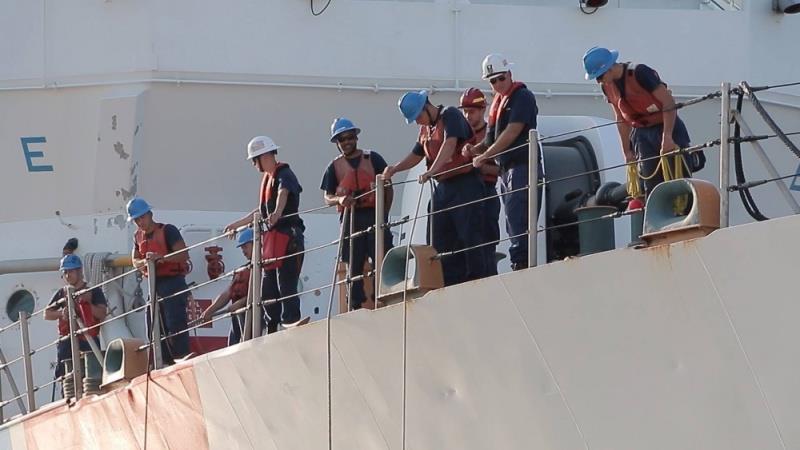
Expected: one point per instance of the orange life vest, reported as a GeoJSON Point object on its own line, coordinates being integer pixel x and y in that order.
{"type": "Point", "coordinates": [84, 304]}
{"type": "Point", "coordinates": [273, 242]}
{"type": "Point", "coordinates": [639, 108]}
{"type": "Point", "coordinates": [157, 243]}
{"type": "Point", "coordinates": [486, 175]}
{"type": "Point", "coordinates": [268, 189]}
{"type": "Point", "coordinates": [500, 101]}
{"type": "Point", "coordinates": [240, 284]}
{"type": "Point", "coordinates": [432, 139]}
{"type": "Point", "coordinates": [356, 181]}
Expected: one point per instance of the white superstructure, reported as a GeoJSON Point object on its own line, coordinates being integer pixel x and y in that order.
{"type": "Point", "coordinates": [104, 100]}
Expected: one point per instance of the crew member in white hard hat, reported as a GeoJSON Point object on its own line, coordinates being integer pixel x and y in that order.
{"type": "Point", "coordinates": [279, 203]}
{"type": "Point", "coordinates": [512, 114]}
{"type": "Point", "coordinates": [91, 308]}
{"type": "Point", "coordinates": [348, 182]}
{"type": "Point", "coordinates": [155, 240]}
{"type": "Point", "coordinates": [236, 293]}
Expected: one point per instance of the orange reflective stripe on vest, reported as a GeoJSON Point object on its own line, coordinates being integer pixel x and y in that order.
{"type": "Point", "coordinates": [356, 181]}
{"type": "Point", "coordinates": [500, 101]}
{"type": "Point", "coordinates": [432, 139]}
{"type": "Point", "coordinates": [639, 108]}
{"type": "Point", "coordinates": [157, 243]}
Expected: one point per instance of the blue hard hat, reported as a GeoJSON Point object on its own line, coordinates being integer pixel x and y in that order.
{"type": "Point", "coordinates": [137, 207]}
{"type": "Point", "coordinates": [245, 236]}
{"type": "Point", "coordinates": [597, 61]}
{"type": "Point", "coordinates": [411, 104]}
{"type": "Point", "coordinates": [340, 125]}
{"type": "Point", "coordinates": [70, 262]}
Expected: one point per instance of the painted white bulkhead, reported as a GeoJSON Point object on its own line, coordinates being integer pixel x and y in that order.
{"type": "Point", "coordinates": [158, 99]}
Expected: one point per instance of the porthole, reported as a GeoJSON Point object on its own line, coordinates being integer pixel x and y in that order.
{"type": "Point", "coordinates": [21, 300]}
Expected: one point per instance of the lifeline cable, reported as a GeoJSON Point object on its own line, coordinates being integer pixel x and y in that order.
{"type": "Point", "coordinates": [751, 184]}
{"type": "Point", "coordinates": [328, 332]}
{"type": "Point", "coordinates": [774, 86]}
{"type": "Point", "coordinates": [405, 316]}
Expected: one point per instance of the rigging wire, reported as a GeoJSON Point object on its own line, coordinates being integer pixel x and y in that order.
{"type": "Point", "coordinates": [748, 201]}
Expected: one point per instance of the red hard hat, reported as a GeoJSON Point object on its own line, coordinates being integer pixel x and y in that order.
{"type": "Point", "coordinates": [472, 98]}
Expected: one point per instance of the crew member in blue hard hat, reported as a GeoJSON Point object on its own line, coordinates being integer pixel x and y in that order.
{"type": "Point", "coordinates": [349, 182]}
{"type": "Point", "coordinates": [473, 105]}
{"type": "Point", "coordinates": [279, 202]}
{"type": "Point", "coordinates": [91, 308]}
{"type": "Point", "coordinates": [644, 106]}
{"type": "Point", "coordinates": [511, 116]}
{"type": "Point", "coordinates": [154, 240]}
{"type": "Point", "coordinates": [443, 132]}
{"type": "Point", "coordinates": [236, 293]}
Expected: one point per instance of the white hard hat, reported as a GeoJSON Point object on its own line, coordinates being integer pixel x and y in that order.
{"type": "Point", "coordinates": [494, 64]}
{"type": "Point", "coordinates": [260, 145]}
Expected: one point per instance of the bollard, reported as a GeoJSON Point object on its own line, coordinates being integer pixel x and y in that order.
{"type": "Point", "coordinates": [596, 234]}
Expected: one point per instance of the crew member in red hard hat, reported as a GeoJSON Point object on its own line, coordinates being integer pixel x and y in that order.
{"type": "Point", "coordinates": [473, 106]}
{"type": "Point", "coordinates": [347, 183]}
{"type": "Point", "coordinates": [512, 114]}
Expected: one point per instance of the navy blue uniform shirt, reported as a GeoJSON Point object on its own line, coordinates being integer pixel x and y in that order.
{"type": "Point", "coordinates": [521, 108]}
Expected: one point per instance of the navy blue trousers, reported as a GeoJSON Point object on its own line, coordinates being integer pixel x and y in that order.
{"type": "Point", "coordinates": [173, 318]}
{"type": "Point", "coordinates": [646, 143]}
{"type": "Point", "coordinates": [516, 207]}
{"type": "Point", "coordinates": [363, 248]}
{"type": "Point", "coordinates": [282, 282]}
{"type": "Point", "coordinates": [460, 228]}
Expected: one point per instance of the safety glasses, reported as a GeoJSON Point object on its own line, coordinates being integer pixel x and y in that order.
{"type": "Point", "coordinates": [346, 137]}
{"type": "Point", "coordinates": [496, 79]}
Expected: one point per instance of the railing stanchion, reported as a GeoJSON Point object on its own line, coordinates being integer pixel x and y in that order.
{"type": "Point", "coordinates": [351, 212]}
{"type": "Point", "coordinates": [155, 316]}
{"type": "Point", "coordinates": [380, 205]}
{"type": "Point", "coordinates": [255, 277]}
{"type": "Point", "coordinates": [73, 343]}
{"type": "Point", "coordinates": [11, 383]}
{"type": "Point", "coordinates": [533, 197]}
{"type": "Point", "coordinates": [724, 155]}
{"type": "Point", "coordinates": [26, 360]}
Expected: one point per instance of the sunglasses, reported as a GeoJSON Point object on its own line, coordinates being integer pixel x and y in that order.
{"type": "Point", "coordinates": [496, 79]}
{"type": "Point", "coordinates": [346, 137]}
